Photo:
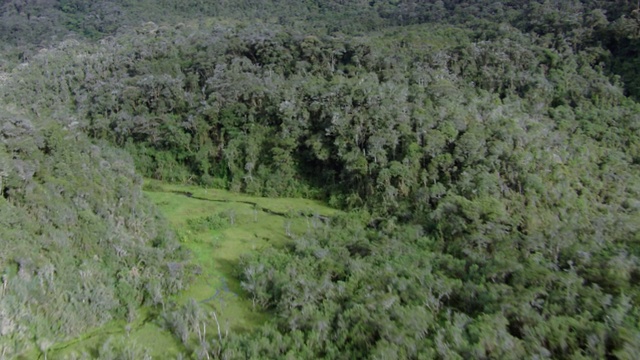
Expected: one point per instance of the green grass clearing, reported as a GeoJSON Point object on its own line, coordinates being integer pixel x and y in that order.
{"type": "Point", "coordinates": [218, 227]}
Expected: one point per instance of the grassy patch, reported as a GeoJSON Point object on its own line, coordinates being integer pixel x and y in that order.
{"type": "Point", "coordinates": [218, 227]}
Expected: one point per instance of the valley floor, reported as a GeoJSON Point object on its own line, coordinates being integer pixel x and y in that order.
{"type": "Point", "coordinates": [218, 227]}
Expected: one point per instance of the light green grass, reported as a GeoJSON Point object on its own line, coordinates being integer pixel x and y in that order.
{"type": "Point", "coordinates": [217, 253]}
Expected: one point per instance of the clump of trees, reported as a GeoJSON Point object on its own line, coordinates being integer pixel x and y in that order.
{"type": "Point", "coordinates": [396, 292]}
{"type": "Point", "coordinates": [80, 244]}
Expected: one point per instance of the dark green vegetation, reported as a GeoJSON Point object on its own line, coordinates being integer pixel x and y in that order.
{"type": "Point", "coordinates": [488, 155]}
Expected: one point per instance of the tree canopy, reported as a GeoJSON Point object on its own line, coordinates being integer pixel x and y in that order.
{"type": "Point", "coordinates": [487, 155]}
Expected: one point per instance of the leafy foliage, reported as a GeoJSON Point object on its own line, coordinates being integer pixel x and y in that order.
{"type": "Point", "coordinates": [488, 152]}
{"type": "Point", "coordinates": [80, 244]}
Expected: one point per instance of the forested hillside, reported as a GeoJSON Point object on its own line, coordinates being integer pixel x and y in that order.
{"type": "Point", "coordinates": [487, 155]}
{"type": "Point", "coordinates": [79, 245]}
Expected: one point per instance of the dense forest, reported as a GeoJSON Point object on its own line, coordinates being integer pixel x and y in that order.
{"type": "Point", "coordinates": [486, 156]}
